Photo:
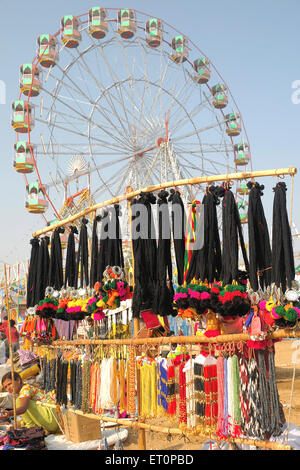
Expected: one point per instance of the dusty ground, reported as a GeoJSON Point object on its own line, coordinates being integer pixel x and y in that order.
{"type": "Point", "coordinates": [284, 373]}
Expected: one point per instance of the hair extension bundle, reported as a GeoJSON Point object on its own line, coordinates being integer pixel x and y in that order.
{"type": "Point", "coordinates": [178, 229]}
{"type": "Point", "coordinates": [70, 270]}
{"type": "Point", "coordinates": [232, 235]}
{"type": "Point", "coordinates": [283, 265]}
{"type": "Point", "coordinates": [206, 262]}
{"type": "Point", "coordinates": [145, 254]}
{"type": "Point", "coordinates": [82, 257]}
{"type": "Point", "coordinates": [56, 265]}
{"type": "Point", "coordinates": [94, 253]}
{"type": "Point", "coordinates": [163, 298]}
{"type": "Point", "coordinates": [32, 274]}
{"type": "Point", "coordinates": [260, 254]}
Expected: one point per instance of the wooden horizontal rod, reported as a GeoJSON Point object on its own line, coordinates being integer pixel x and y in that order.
{"type": "Point", "coordinates": [190, 181]}
{"type": "Point", "coordinates": [136, 425]}
{"type": "Point", "coordinates": [232, 338]}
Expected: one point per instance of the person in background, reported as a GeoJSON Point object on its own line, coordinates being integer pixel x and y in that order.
{"type": "Point", "coordinates": [27, 404]}
{"type": "Point", "coordinates": [90, 328]}
{"type": "Point", "coordinates": [15, 337]}
{"type": "Point", "coordinates": [4, 334]}
{"type": "Point", "coordinates": [4, 328]}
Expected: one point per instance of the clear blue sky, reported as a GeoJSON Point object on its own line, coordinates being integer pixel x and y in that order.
{"type": "Point", "coordinates": [254, 45]}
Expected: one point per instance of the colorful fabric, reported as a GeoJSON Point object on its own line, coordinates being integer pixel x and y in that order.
{"type": "Point", "coordinates": [162, 387]}
{"type": "Point", "coordinates": [39, 415]}
{"type": "Point", "coordinates": [36, 394]}
{"type": "Point", "coordinates": [211, 395]}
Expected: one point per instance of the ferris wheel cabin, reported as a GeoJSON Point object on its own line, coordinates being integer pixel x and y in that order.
{"type": "Point", "coordinates": [220, 98]}
{"type": "Point", "coordinates": [201, 67]}
{"type": "Point", "coordinates": [70, 35]}
{"type": "Point", "coordinates": [22, 116]}
{"type": "Point", "coordinates": [180, 49]}
{"type": "Point", "coordinates": [47, 51]}
{"type": "Point", "coordinates": [233, 124]}
{"type": "Point", "coordinates": [154, 32]}
{"type": "Point", "coordinates": [126, 23]}
{"type": "Point", "coordinates": [23, 159]}
{"type": "Point", "coordinates": [242, 189]}
{"type": "Point", "coordinates": [97, 22]}
{"type": "Point", "coordinates": [36, 202]}
{"type": "Point", "coordinates": [30, 83]}
{"type": "Point", "coordinates": [242, 206]}
{"type": "Point", "coordinates": [242, 154]}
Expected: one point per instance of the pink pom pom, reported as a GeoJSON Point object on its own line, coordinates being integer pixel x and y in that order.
{"type": "Point", "coordinates": [99, 315]}
{"type": "Point", "coordinates": [194, 294]}
{"type": "Point", "coordinates": [262, 305]}
{"type": "Point", "coordinates": [205, 295]}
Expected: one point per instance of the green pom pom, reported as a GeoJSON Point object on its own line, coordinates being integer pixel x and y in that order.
{"type": "Point", "coordinates": [280, 311]}
{"type": "Point", "coordinates": [291, 315]}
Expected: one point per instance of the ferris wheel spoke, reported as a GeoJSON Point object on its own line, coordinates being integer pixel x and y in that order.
{"type": "Point", "coordinates": [146, 85]}
{"type": "Point", "coordinates": [70, 149]}
{"type": "Point", "coordinates": [196, 132]}
{"type": "Point", "coordinates": [163, 77]}
{"type": "Point", "coordinates": [103, 112]}
{"type": "Point", "coordinates": [79, 90]}
{"type": "Point", "coordinates": [191, 115]}
{"type": "Point", "coordinates": [118, 89]}
{"type": "Point", "coordinates": [71, 178]}
{"type": "Point", "coordinates": [200, 154]}
{"type": "Point", "coordinates": [71, 90]}
{"type": "Point", "coordinates": [132, 79]}
{"type": "Point", "coordinates": [102, 90]}
{"type": "Point", "coordinates": [210, 162]}
{"type": "Point", "coordinates": [82, 66]}
{"type": "Point", "coordinates": [113, 179]}
{"type": "Point", "coordinates": [150, 166]}
{"type": "Point", "coordinates": [87, 119]}
{"type": "Point", "coordinates": [192, 147]}
{"type": "Point", "coordinates": [187, 87]}
{"type": "Point", "coordinates": [72, 121]}
{"type": "Point", "coordinates": [81, 134]}
{"type": "Point", "coordinates": [124, 177]}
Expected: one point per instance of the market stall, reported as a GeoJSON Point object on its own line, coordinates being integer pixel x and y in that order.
{"type": "Point", "coordinates": [218, 381]}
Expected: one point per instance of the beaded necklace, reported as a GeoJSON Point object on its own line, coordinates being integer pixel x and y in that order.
{"type": "Point", "coordinates": [276, 422]}
{"type": "Point", "coordinates": [255, 417]}
{"type": "Point", "coordinates": [236, 396]}
{"type": "Point", "coordinates": [263, 391]}
{"type": "Point", "coordinates": [244, 395]}
{"type": "Point", "coordinates": [190, 395]}
{"type": "Point", "coordinates": [211, 392]}
{"type": "Point", "coordinates": [199, 394]}
{"type": "Point", "coordinates": [86, 372]}
{"type": "Point", "coordinates": [221, 390]}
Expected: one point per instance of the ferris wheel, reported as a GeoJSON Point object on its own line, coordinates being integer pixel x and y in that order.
{"type": "Point", "coordinates": [117, 98]}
